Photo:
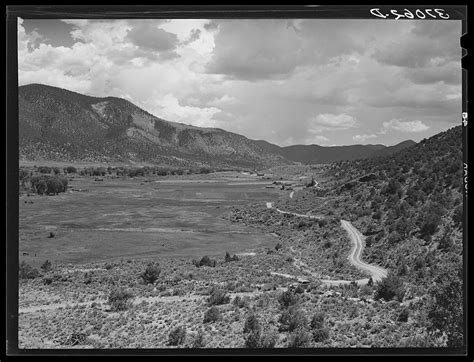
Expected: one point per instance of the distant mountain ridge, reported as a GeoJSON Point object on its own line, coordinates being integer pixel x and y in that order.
{"type": "Point", "coordinates": [61, 125]}
{"type": "Point", "coordinates": [327, 154]}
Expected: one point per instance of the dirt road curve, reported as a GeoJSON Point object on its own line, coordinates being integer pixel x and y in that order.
{"type": "Point", "coordinates": [375, 271]}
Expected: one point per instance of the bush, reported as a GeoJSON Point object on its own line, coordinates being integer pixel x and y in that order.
{"type": "Point", "coordinates": [317, 321]}
{"type": "Point", "coordinates": [199, 340]}
{"type": "Point", "coordinates": [287, 299]}
{"type": "Point", "coordinates": [26, 271]}
{"type": "Point", "coordinates": [71, 169]}
{"type": "Point", "coordinates": [299, 338]}
{"type": "Point", "coordinates": [212, 315]}
{"type": "Point", "coordinates": [320, 334]}
{"type": "Point", "coordinates": [252, 339]}
{"type": "Point", "coordinates": [229, 258]}
{"type": "Point", "coordinates": [44, 169]}
{"type": "Point", "coordinates": [206, 261]}
{"type": "Point", "coordinates": [119, 299]}
{"type": "Point", "coordinates": [177, 336]}
{"type": "Point", "coordinates": [241, 302]}
{"type": "Point", "coordinates": [292, 319]}
{"type": "Point", "coordinates": [151, 273]}
{"type": "Point", "coordinates": [217, 297]}
{"type": "Point", "coordinates": [46, 266]}
{"type": "Point", "coordinates": [251, 323]}
{"type": "Point", "coordinates": [458, 215]}
{"type": "Point", "coordinates": [269, 339]}
{"type": "Point", "coordinates": [403, 316]}
{"type": "Point", "coordinates": [389, 288]}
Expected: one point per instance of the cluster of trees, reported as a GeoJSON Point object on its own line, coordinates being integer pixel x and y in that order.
{"type": "Point", "coordinates": [48, 185]}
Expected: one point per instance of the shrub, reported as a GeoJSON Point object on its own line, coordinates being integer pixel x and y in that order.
{"type": "Point", "coordinates": [217, 297]}
{"type": "Point", "coordinates": [268, 339]}
{"type": "Point", "coordinates": [292, 319]}
{"type": "Point", "coordinates": [278, 246]}
{"type": "Point", "coordinates": [151, 273]}
{"type": "Point", "coordinates": [403, 316]}
{"type": "Point", "coordinates": [46, 266]}
{"type": "Point", "coordinates": [317, 321]}
{"type": "Point", "coordinates": [287, 299]}
{"type": "Point", "coordinates": [212, 315]}
{"type": "Point", "coordinates": [44, 169]}
{"type": "Point", "coordinates": [445, 311]}
{"type": "Point", "coordinates": [71, 169]}
{"type": "Point", "coordinates": [320, 334]}
{"type": "Point", "coordinates": [26, 271]}
{"type": "Point", "coordinates": [252, 339]}
{"type": "Point", "coordinates": [229, 258]}
{"type": "Point", "coordinates": [251, 323]}
{"type": "Point", "coordinates": [458, 214]}
{"type": "Point", "coordinates": [119, 299]}
{"type": "Point", "coordinates": [299, 338]}
{"type": "Point", "coordinates": [241, 302]}
{"type": "Point", "coordinates": [177, 336]}
{"type": "Point", "coordinates": [206, 261]}
{"type": "Point", "coordinates": [74, 339]}
{"type": "Point", "coordinates": [199, 340]}
{"type": "Point", "coordinates": [389, 288]}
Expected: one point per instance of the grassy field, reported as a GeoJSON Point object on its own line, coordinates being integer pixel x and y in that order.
{"type": "Point", "coordinates": [140, 217]}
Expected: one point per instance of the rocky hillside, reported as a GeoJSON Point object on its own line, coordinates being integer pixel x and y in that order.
{"type": "Point", "coordinates": [58, 124]}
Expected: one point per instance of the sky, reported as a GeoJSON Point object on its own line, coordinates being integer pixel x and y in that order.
{"type": "Point", "coordinates": [287, 81]}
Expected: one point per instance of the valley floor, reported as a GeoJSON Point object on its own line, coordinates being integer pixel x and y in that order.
{"type": "Point", "coordinates": [105, 233]}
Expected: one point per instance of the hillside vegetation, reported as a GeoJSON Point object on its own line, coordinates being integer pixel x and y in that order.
{"type": "Point", "coordinates": [410, 208]}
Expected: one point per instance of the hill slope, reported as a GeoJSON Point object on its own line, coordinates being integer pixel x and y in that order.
{"type": "Point", "coordinates": [58, 124]}
{"type": "Point", "coordinates": [409, 206]}
{"type": "Point", "coordinates": [315, 154]}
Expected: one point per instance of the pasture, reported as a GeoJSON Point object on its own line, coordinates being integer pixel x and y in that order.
{"type": "Point", "coordinates": [133, 218]}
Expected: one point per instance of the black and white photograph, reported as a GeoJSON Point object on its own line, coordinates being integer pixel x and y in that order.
{"type": "Point", "coordinates": [288, 183]}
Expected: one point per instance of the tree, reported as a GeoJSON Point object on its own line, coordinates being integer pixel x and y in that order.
{"type": "Point", "coordinates": [177, 336]}
{"type": "Point", "coordinates": [151, 273]}
{"type": "Point", "coordinates": [446, 309]}
{"type": "Point", "coordinates": [389, 288]}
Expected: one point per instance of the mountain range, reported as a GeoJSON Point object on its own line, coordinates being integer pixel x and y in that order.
{"type": "Point", "coordinates": [58, 124]}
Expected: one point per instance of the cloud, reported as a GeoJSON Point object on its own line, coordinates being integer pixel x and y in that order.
{"type": "Point", "coordinates": [169, 108]}
{"type": "Point", "coordinates": [401, 126]}
{"type": "Point", "coordinates": [425, 43]}
{"type": "Point", "coordinates": [274, 79]}
{"type": "Point", "coordinates": [332, 122]}
{"type": "Point", "coordinates": [240, 54]}
{"type": "Point", "coordinates": [363, 137]}
{"type": "Point", "coordinates": [148, 35]}
{"type": "Point", "coordinates": [449, 73]}
{"type": "Point", "coordinates": [320, 139]}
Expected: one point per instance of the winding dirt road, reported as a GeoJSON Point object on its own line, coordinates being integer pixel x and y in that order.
{"type": "Point", "coordinates": [377, 273]}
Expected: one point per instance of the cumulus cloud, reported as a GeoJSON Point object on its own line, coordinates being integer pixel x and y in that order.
{"type": "Point", "coordinates": [169, 108]}
{"type": "Point", "coordinates": [319, 139]}
{"type": "Point", "coordinates": [404, 126]}
{"type": "Point", "coordinates": [147, 35]}
{"type": "Point", "coordinates": [328, 121]}
{"type": "Point", "coordinates": [286, 81]}
{"type": "Point", "coordinates": [363, 137]}
{"type": "Point", "coordinates": [426, 42]}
